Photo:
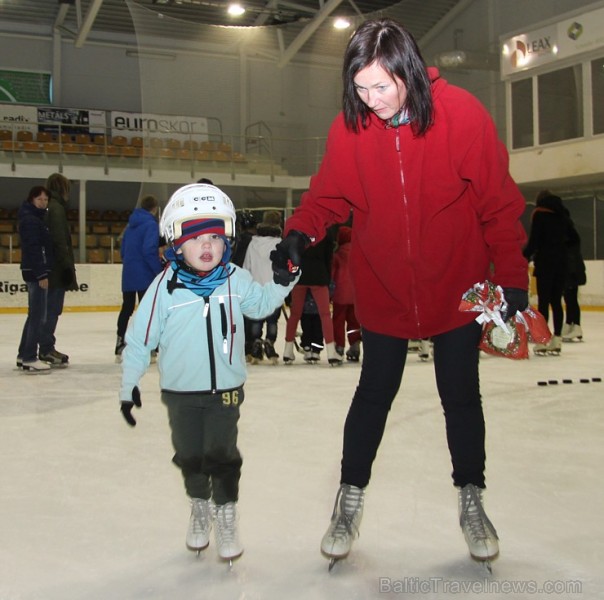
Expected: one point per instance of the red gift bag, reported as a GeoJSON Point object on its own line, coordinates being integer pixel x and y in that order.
{"type": "Point", "coordinates": [510, 339]}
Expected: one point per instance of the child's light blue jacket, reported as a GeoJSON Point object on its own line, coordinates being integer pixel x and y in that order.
{"type": "Point", "coordinates": [201, 344]}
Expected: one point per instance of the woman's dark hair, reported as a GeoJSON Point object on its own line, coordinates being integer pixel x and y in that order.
{"type": "Point", "coordinates": [390, 45]}
{"type": "Point", "coordinates": [36, 191]}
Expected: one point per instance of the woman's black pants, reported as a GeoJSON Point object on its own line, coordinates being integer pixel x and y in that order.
{"type": "Point", "coordinates": [456, 367]}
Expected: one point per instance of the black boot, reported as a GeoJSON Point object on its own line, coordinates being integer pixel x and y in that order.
{"type": "Point", "coordinates": [270, 352]}
{"type": "Point", "coordinates": [257, 351]}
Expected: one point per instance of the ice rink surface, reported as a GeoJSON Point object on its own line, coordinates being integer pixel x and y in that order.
{"type": "Point", "coordinates": [93, 510]}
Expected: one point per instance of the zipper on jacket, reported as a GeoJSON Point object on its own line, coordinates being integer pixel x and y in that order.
{"type": "Point", "coordinates": [406, 206]}
{"type": "Point", "coordinates": [224, 325]}
{"type": "Point", "coordinates": [207, 313]}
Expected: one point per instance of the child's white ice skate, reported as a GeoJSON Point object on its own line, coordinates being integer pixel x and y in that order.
{"type": "Point", "coordinates": [227, 536]}
{"type": "Point", "coordinates": [478, 530]}
{"type": "Point", "coordinates": [200, 525]}
{"type": "Point", "coordinates": [345, 522]}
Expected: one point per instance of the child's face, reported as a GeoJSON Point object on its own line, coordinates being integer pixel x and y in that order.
{"type": "Point", "coordinates": [203, 252]}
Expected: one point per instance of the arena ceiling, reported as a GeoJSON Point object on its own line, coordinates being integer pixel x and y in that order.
{"type": "Point", "coordinates": [288, 27]}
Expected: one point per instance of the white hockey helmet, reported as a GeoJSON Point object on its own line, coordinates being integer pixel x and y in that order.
{"type": "Point", "coordinates": [196, 201]}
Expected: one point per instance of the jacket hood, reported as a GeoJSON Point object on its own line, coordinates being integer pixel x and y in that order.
{"type": "Point", "coordinates": [140, 216]}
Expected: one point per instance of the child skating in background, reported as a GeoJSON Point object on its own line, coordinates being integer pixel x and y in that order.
{"type": "Point", "coordinates": [193, 312]}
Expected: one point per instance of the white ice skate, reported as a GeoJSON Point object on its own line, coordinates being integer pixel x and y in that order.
{"type": "Point", "coordinates": [35, 366]}
{"type": "Point", "coordinates": [552, 348]}
{"type": "Point", "coordinates": [572, 333]}
{"type": "Point", "coordinates": [288, 353]}
{"type": "Point", "coordinates": [424, 350]}
{"type": "Point", "coordinates": [200, 525]}
{"type": "Point", "coordinates": [225, 529]}
{"type": "Point", "coordinates": [333, 358]}
{"type": "Point", "coordinates": [311, 357]}
{"type": "Point", "coordinates": [478, 530]}
{"type": "Point", "coordinates": [345, 523]}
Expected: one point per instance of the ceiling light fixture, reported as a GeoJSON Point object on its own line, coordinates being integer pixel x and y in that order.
{"type": "Point", "coordinates": [341, 23]}
{"type": "Point", "coordinates": [235, 9]}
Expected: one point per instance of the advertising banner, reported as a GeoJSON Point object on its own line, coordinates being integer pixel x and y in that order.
{"type": "Point", "coordinates": [539, 47]}
{"type": "Point", "coordinates": [178, 127]}
{"type": "Point", "coordinates": [17, 118]}
{"type": "Point", "coordinates": [72, 120]}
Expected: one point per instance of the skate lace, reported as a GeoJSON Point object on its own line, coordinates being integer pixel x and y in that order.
{"type": "Point", "coordinates": [224, 519]}
{"type": "Point", "coordinates": [201, 515]}
{"type": "Point", "coordinates": [473, 517]}
{"type": "Point", "coordinates": [348, 504]}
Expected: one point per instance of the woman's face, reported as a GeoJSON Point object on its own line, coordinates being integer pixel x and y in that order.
{"type": "Point", "coordinates": [40, 201]}
{"type": "Point", "coordinates": [383, 93]}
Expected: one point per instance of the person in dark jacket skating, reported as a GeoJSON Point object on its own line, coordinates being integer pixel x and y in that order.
{"type": "Point", "coordinates": [550, 232]}
{"type": "Point", "coordinates": [36, 264]}
{"type": "Point", "coordinates": [141, 263]}
{"type": "Point", "coordinates": [62, 278]}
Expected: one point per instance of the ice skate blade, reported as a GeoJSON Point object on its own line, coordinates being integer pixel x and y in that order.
{"type": "Point", "coordinates": [333, 559]}
{"type": "Point", "coordinates": [230, 560]}
{"type": "Point", "coordinates": [485, 561]}
{"type": "Point", "coordinates": [197, 550]}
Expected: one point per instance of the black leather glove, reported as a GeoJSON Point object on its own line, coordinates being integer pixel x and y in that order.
{"type": "Point", "coordinates": [126, 406]}
{"type": "Point", "coordinates": [517, 300]}
{"type": "Point", "coordinates": [287, 256]}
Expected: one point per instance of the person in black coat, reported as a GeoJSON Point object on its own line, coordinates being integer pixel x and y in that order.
{"type": "Point", "coordinates": [62, 277]}
{"type": "Point", "coordinates": [36, 265]}
{"type": "Point", "coordinates": [575, 276]}
{"type": "Point", "coordinates": [547, 249]}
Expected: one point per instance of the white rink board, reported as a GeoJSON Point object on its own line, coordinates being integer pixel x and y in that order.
{"type": "Point", "coordinates": [99, 286]}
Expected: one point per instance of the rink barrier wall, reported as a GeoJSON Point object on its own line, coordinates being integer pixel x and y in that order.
{"type": "Point", "coordinates": [99, 289]}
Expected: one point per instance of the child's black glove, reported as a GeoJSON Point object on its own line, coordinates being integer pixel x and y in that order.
{"type": "Point", "coordinates": [287, 256]}
{"type": "Point", "coordinates": [517, 300]}
{"type": "Point", "coordinates": [126, 406]}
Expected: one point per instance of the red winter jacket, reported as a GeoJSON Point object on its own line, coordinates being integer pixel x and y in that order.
{"type": "Point", "coordinates": [431, 214]}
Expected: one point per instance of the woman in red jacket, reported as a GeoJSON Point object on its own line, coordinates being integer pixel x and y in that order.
{"type": "Point", "coordinates": [435, 211]}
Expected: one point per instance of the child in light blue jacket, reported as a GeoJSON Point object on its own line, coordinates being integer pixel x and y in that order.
{"type": "Point", "coordinates": [193, 313]}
